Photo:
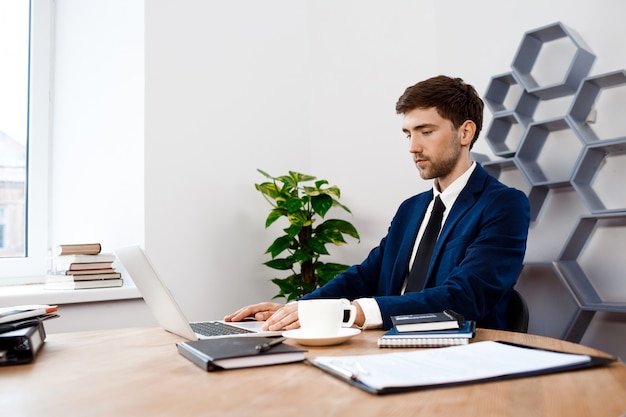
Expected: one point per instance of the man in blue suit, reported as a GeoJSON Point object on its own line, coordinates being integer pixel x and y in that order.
{"type": "Point", "coordinates": [480, 249]}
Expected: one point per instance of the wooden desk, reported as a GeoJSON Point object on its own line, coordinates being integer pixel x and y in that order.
{"type": "Point", "coordinates": [138, 372]}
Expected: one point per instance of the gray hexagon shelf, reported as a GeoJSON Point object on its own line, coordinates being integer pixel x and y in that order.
{"type": "Point", "coordinates": [594, 178]}
{"type": "Point", "coordinates": [546, 48]}
{"type": "Point", "coordinates": [526, 106]}
{"type": "Point", "coordinates": [503, 93]}
{"type": "Point", "coordinates": [589, 95]}
{"type": "Point", "coordinates": [505, 134]}
{"type": "Point", "coordinates": [548, 148]}
{"type": "Point", "coordinates": [539, 146]}
{"type": "Point", "coordinates": [590, 297]}
{"type": "Point", "coordinates": [549, 298]}
{"type": "Point", "coordinates": [536, 197]}
{"type": "Point", "coordinates": [508, 172]}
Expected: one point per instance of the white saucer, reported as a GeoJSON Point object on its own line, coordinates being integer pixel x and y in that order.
{"type": "Point", "coordinates": [299, 336]}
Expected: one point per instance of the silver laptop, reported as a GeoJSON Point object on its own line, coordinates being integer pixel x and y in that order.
{"type": "Point", "coordinates": [166, 311]}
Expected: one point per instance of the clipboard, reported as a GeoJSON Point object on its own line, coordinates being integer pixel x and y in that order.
{"type": "Point", "coordinates": [478, 362]}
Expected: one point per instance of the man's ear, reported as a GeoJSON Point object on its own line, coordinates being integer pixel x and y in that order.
{"type": "Point", "coordinates": [467, 132]}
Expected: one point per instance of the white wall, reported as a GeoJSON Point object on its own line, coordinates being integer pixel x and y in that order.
{"type": "Point", "coordinates": [98, 124]}
{"type": "Point", "coordinates": [278, 85]}
{"type": "Point", "coordinates": [97, 175]}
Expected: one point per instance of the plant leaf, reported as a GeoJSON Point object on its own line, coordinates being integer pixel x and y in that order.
{"type": "Point", "coordinates": [269, 189]}
{"type": "Point", "coordinates": [299, 218]}
{"type": "Point", "coordinates": [298, 177]}
{"type": "Point", "coordinates": [293, 230]}
{"type": "Point", "coordinates": [334, 190]}
{"type": "Point", "coordinates": [294, 204]}
{"type": "Point", "coordinates": [265, 174]}
{"type": "Point", "coordinates": [328, 271]}
{"type": "Point", "coordinates": [338, 204]}
{"type": "Point", "coordinates": [337, 225]}
{"type": "Point", "coordinates": [321, 204]}
{"type": "Point", "coordinates": [274, 215]}
{"type": "Point", "coordinates": [319, 183]}
{"type": "Point", "coordinates": [281, 244]}
{"type": "Point", "coordinates": [301, 256]}
{"type": "Point", "coordinates": [317, 245]}
{"type": "Point", "coordinates": [282, 264]}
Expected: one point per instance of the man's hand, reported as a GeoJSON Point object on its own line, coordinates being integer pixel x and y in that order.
{"type": "Point", "coordinates": [360, 316]}
{"type": "Point", "coordinates": [276, 316]}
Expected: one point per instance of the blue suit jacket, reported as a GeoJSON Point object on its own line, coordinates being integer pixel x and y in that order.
{"type": "Point", "coordinates": [475, 264]}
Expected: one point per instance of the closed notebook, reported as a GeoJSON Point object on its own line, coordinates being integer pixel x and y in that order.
{"type": "Point", "coordinates": [436, 338]}
{"type": "Point", "coordinates": [237, 352]}
{"type": "Point", "coordinates": [447, 319]}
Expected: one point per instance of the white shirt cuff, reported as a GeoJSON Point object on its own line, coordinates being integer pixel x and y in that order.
{"type": "Point", "coordinates": [373, 318]}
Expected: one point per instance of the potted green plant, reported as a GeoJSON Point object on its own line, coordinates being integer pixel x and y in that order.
{"type": "Point", "coordinates": [304, 242]}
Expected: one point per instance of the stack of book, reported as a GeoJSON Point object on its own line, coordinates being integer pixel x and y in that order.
{"type": "Point", "coordinates": [446, 328]}
{"type": "Point", "coordinates": [80, 266]}
{"type": "Point", "coordinates": [22, 332]}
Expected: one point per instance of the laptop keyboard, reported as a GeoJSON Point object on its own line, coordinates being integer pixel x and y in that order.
{"type": "Point", "coordinates": [216, 328]}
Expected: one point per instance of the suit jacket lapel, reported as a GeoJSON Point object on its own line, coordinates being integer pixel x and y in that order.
{"type": "Point", "coordinates": [464, 202]}
{"type": "Point", "coordinates": [412, 227]}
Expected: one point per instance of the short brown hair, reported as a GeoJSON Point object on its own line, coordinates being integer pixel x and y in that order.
{"type": "Point", "coordinates": [452, 97]}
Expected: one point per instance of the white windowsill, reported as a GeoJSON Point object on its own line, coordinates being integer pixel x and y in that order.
{"type": "Point", "coordinates": [36, 294]}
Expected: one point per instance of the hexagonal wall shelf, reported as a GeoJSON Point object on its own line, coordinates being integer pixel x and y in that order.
{"type": "Point", "coordinates": [565, 159]}
{"type": "Point", "coordinates": [582, 285]}
{"type": "Point", "coordinates": [549, 299]}
{"type": "Point", "coordinates": [529, 54]}
{"type": "Point", "coordinates": [508, 172]}
{"type": "Point", "coordinates": [536, 197]}
{"type": "Point", "coordinates": [544, 161]}
{"type": "Point", "coordinates": [503, 93]}
{"type": "Point", "coordinates": [583, 109]}
{"type": "Point", "coordinates": [594, 178]}
{"type": "Point", "coordinates": [568, 261]}
{"type": "Point", "coordinates": [526, 107]}
{"type": "Point", "coordinates": [556, 211]}
{"type": "Point", "coordinates": [505, 134]}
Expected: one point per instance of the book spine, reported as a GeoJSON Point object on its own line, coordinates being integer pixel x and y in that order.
{"type": "Point", "coordinates": [198, 358]}
{"type": "Point", "coordinates": [83, 277]}
{"type": "Point", "coordinates": [79, 249]}
{"type": "Point", "coordinates": [410, 343]}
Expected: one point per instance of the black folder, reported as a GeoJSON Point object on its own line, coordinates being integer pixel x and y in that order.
{"type": "Point", "coordinates": [237, 352]}
{"type": "Point", "coordinates": [21, 345]}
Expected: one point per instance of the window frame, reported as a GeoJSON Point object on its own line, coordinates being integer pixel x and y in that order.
{"type": "Point", "coordinates": [32, 268]}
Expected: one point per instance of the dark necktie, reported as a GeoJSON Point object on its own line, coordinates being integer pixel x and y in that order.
{"type": "Point", "coordinates": [417, 276]}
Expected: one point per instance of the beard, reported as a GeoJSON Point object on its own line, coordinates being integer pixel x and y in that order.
{"type": "Point", "coordinates": [443, 164]}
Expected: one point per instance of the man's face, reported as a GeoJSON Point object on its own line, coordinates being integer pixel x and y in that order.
{"type": "Point", "coordinates": [434, 144]}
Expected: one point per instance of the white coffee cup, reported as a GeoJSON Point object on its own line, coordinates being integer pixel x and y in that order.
{"type": "Point", "coordinates": [324, 317]}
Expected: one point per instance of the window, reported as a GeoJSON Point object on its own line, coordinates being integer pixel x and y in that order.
{"type": "Point", "coordinates": [14, 32]}
{"type": "Point", "coordinates": [25, 51]}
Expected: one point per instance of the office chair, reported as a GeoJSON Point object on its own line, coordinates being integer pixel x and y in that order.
{"type": "Point", "coordinates": [517, 314]}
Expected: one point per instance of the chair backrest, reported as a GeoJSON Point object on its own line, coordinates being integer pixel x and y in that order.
{"type": "Point", "coordinates": [517, 314]}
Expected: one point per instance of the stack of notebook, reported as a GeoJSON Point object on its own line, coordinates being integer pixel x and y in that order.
{"type": "Point", "coordinates": [429, 330]}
